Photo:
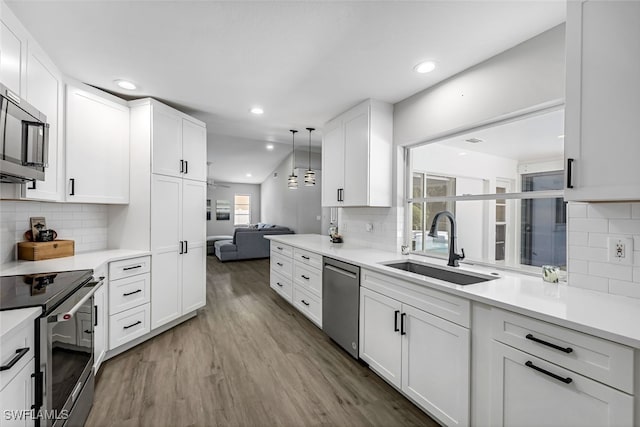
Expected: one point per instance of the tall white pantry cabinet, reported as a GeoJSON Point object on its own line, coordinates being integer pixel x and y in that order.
{"type": "Point", "coordinates": [167, 210]}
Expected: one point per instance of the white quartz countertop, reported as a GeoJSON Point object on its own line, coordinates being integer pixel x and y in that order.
{"type": "Point", "coordinates": [83, 261]}
{"type": "Point", "coordinates": [11, 319]}
{"type": "Point", "coordinates": [608, 316]}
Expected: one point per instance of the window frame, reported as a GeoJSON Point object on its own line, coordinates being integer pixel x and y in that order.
{"type": "Point", "coordinates": [235, 215]}
{"type": "Point", "coordinates": [520, 195]}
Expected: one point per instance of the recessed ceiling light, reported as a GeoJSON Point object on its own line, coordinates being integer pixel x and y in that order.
{"type": "Point", "coordinates": [249, 175]}
{"type": "Point", "coordinates": [269, 147]}
{"type": "Point", "coordinates": [125, 84]}
{"type": "Point", "coordinates": [474, 140]}
{"type": "Point", "coordinates": [257, 111]}
{"type": "Point", "coordinates": [462, 153]}
{"type": "Point", "coordinates": [425, 67]}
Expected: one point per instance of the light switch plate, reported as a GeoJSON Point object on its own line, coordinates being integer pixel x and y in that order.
{"type": "Point", "coordinates": [621, 250]}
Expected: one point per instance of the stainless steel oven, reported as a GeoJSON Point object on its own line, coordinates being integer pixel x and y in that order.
{"type": "Point", "coordinates": [64, 341]}
{"type": "Point", "coordinates": [65, 357]}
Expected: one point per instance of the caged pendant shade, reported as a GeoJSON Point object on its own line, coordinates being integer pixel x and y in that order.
{"type": "Point", "coordinates": [292, 182]}
{"type": "Point", "coordinates": [310, 175]}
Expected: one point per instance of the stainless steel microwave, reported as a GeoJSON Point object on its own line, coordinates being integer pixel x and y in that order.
{"type": "Point", "coordinates": [24, 139]}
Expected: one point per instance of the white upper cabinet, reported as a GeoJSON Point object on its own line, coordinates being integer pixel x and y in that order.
{"type": "Point", "coordinates": [357, 153]}
{"type": "Point", "coordinates": [602, 101]}
{"type": "Point", "coordinates": [45, 92]}
{"type": "Point", "coordinates": [179, 145]}
{"type": "Point", "coordinates": [97, 149]}
{"type": "Point", "coordinates": [13, 50]}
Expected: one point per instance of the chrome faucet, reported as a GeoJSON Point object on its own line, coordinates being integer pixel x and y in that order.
{"type": "Point", "coordinates": [453, 256]}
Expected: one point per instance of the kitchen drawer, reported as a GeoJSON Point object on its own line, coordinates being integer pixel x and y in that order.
{"type": "Point", "coordinates": [129, 267]}
{"type": "Point", "coordinates": [282, 285]}
{"type": "Point", "coordinates": [446, 306]}
{"type": "Point", "coordinates": [282, 265]}
{"type": "Point", "coordinates": [309, 305]}
{"type": "Point", "coordinates": [129, 325]}
{"type": "Point", "coordinates": [129, 292]}
{"type": "Point", "coordinates": [593, 357]}
{"type": "Point", "coordinates": [281, 249]}
{"type": "Point", "coordinates": [311, 259]}
{"type": "Point", "coordinates": [20, 338]}
{"type": "Point", "coordinates": [308, 278]}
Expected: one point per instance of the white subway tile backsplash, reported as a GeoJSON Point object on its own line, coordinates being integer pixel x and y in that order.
{"type": "Point", "coordinates": [577, 210]}
{"type": "Point", "coordinates": [624, 226]}
{"type": "Point", "coordinates": [628, 289]}
{"type": "Point", "coordinates": [578, 266]}
{"type": "Point", "coordinates": [586, 281]}
{"type": "Point", "coordinates": [598, 240]}
{"type": "Point", "coordinates": [593, 225]}
{"type": "Point", "coordinates": [587, 253]}
{"type": "Point", "coordinates": [86, 224]}
{"type": "Point", "coordinates": [636, 274]}
{"type": "Point", "coordinates": [609, 210]}
{"type": "Point", "coordinates": [635, 210]}
{"type": "Point", "coordinates": [612, 271]}
{"type": "Point", "coordinates": [579, 238]}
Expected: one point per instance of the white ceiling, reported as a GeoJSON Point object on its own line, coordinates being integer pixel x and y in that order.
{"type": "Point", "coordinates": [536, 137]}
{"type": "Point", "coordinates": [304, 62]}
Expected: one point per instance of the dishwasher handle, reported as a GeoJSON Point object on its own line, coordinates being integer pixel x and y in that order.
{"type": "Point", "coordinates": [340, 271]}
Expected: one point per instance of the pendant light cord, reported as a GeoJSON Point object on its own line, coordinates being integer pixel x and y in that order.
{"type": "Point", "coordinates": [293, 151]}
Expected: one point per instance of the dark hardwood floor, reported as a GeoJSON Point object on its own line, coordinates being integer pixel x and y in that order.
{"type": "Point", "coordinates": [248, 359]}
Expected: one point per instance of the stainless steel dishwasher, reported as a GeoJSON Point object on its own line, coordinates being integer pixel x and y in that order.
{"type": "Point", "coordinates": [341, 303]}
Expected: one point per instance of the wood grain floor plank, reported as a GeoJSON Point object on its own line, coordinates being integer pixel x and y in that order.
{"type": "Point", "coordinates": [248, 359]}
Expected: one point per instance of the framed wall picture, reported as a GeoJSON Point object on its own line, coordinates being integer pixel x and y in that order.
{"type": "Point", "coordinates": [208, 209]}
{"type": "Point", "coordinates": [37, 223]}
{"type": "Point", "coordinates": [223, 210]}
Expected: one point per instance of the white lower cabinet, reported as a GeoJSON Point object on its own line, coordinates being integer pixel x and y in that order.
{"type": "Point", "coordinates": [17, 397]}
{"type": "Point", "coordinates": [528, 391]}
{"type": "Point", "coordinates": [129, 325]}
{"type": "Point", "coordinates": [423, 355]}
{"type": "Point", "coordinates": [100, 341]}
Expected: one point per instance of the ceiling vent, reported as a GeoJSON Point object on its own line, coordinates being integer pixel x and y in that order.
{"type": "Point", "coordinates": [474, 140]}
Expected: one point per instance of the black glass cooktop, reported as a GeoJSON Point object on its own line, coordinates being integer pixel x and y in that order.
{"type": "Point", "coordinates": [44, 289]}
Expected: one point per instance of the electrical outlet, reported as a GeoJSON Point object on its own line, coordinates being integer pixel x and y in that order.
{"type": "Point", "coordinates": [621, 250]}
{"type": "Point", "coordinates": [369, 227]}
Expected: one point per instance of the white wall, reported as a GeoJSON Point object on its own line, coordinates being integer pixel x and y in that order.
{"type": "Point", "coordinates": [298, 209]}
{"type": "Point", "coordinates": [86, 224]}
{"type": "Point", "coordinates": [221, 192]}
{"type": "Point", "coordinates": [524, 76]}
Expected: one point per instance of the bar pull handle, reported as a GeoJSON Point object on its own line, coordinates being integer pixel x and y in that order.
{"type": "Point", "coordinates": [126, 294]}
{"type": "Point", "coordinates": [566, 380]}
{"type": "Point", "coordinates": [395, 321]}
{"type": "Point", "coordinates": [19, 354]}
{"type": "Point", "coordinates": [186, 166]}
{"type": "Point", "coordinates": [279, 264]}
{"type": "Point", "coordinates": [279, 248]}
{"type": "Point", "coordinates": [95, 313]}
{"type": "Point", "coordinates": [304, 257]}
{"type": "Point", "coordinates": [548, 344]}
{"type": "Point", "coordinates": [304, 277]}
{"type": "Point", "coordinates": [131, 268]}
{"type": "Point", "coordinates": [279, 284]}
{"type": "Point", "coordinates": [181, 166]}
{"type": "Point", "coordinates": [132, 325]}
{"type": "Point", "coordinates": [570, 172]}
{"type": "Point", "coordinates": [304, 302]}
{"type": "Point", "coordinates": [403, 331]}
{"type": "Point", "coordinates": [186, 246]}
{"type": "Point", "coordinates": [72, 181]}
{"type": "Point", "coordinates": [338, 195]}
{"type": "Point", "coordinates": [181, 247]}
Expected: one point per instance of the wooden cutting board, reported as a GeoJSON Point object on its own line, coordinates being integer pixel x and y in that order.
{"type": "Point", "coordinates": [37, 251]}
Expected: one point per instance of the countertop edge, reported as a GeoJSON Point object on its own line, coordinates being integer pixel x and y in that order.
{"type": "Point", "coordinates": [454, 290]}
{"type": "Point", "coordinates": [13, 319]}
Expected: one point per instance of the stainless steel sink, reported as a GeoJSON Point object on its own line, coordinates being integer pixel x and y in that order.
{"type": "Point", "coordinates": [446, 275]}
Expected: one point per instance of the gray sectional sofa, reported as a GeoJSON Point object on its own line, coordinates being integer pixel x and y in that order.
{"type": "Point", "coordinates": [248, 243]}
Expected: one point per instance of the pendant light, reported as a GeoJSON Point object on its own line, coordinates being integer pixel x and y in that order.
{"type": "Point", "coordinates": [292, 183]}
{"type": "Point", "coordinates": [310, 175]}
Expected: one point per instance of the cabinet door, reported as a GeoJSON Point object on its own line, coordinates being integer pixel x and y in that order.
{"type": "Point", "coordinates": [166, 220]}
{"type": "Point", "coordinates": [523, 396]}
{"type": "Point", "coordinates": [356, 156]}
{"type": "Point", "coordinates": [332, 163]}
{"type": "Point", "coordinates": [13, 44]}
{"type": "Point", "coordinates": [435, 366]}
{"type": "Point", "coordinates": [194, 150]}
{"type": "Point", "coordinates": [166, 141]}
{"type": "Point", "coordinates": [194, 212]}
{"type": "Point", "coordinates": [97, 149]}
{"type": "Point", "coordinates": [603, 101]}
{"type": "Point", "coordinates": [380, 340]}
{"type": "Point", "coordinates": [44, 92]}
{"type": "Point", "coordinates": [99, 329]}
{"type": "Point", "coordinates": [17, 398]}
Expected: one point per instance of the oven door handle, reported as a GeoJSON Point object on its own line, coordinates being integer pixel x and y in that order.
{"type": "Point", "coordinates": [68, 315]}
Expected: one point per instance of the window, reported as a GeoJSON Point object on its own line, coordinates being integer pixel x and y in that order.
{"type": "Point", "coordinates": [242, 209]}
{"type": "Point", "coordinates": [504, 185]}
